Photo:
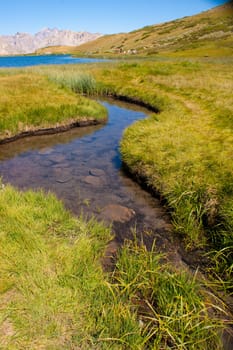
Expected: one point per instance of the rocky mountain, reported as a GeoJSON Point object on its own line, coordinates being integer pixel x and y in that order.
{"type": "Point", "coordinates": [24, 43]}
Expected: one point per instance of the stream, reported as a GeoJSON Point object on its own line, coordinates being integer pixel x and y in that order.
{"type": "Point", "coordinates": [83, 168]}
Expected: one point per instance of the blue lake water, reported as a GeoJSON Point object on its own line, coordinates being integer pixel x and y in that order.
{"type": "Point", "coordinates": [26, 61]}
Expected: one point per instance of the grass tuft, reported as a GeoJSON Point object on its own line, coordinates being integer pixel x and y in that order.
{"type": "Point", "coordinates": [78, 82]}
{"type": "Point", "coordinates": [170, 306]}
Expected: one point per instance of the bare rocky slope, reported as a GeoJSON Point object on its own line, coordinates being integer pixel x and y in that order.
{"type": "Point", "coordinates": [25, 43]}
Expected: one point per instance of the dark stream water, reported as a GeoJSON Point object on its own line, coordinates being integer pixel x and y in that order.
{"type": "Point", "coordinates": [83, 167]}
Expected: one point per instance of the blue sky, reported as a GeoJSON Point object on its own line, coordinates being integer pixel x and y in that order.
{"type": "Point", "coordinates": [103, 16]}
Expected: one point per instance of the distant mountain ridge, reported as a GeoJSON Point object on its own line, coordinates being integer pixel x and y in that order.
{"type": "Point", "coordinates": [25, 43]}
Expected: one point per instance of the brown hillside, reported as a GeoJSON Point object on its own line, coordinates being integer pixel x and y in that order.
{"type": "Point", "coordinates": [210, 32]}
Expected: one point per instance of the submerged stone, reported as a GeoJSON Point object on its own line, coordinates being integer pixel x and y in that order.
{"type": "Point", "coordinates": [46, 151]}
{"type": "Point", "coordinates": [62, 175]}
{"type": "Point", "coordinates": [116, 212]}
{"type": "Point", "coordinates": [58, 158]}
{"type": "Point", "coordinates": [96, 172]}
{"type": "Point", "coordinates": [94, 180]}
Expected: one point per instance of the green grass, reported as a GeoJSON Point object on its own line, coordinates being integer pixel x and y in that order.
{"type": "Point", "coordinates": [29, 101]}
{"type": "Point", "coordinates": [54, 294]}
{"type": "Point", "coordinates": [184, 152]}
{"type": "Point", "coordinates": [77, 81]}
{"type": "Point", "coordinates": [173, 314]}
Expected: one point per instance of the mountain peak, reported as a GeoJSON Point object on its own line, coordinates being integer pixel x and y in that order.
{"type": "Point", "coordinates": [24, 43]}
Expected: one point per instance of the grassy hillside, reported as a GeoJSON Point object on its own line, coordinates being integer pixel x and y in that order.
{"type": "Point", "coordinates": [55, 50]}
{"type": "Point", "coordinates": [211, 30]}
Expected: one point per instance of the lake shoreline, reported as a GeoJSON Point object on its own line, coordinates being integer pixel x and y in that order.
{"type": "Point", "coordinates": [30, 60]}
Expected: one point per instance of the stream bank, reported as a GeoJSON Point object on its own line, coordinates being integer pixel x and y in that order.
{"type": "Point", "coordinates": [83, 167]}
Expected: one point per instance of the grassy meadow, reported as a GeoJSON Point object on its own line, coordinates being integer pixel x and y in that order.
{"type": "Point", "coordinates": [184, 152]}
{"type": "Point", "coordinates": [54, 294]}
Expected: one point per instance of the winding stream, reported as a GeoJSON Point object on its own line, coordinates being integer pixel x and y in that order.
{"type": "Point", "coordinates": [83, 167]}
